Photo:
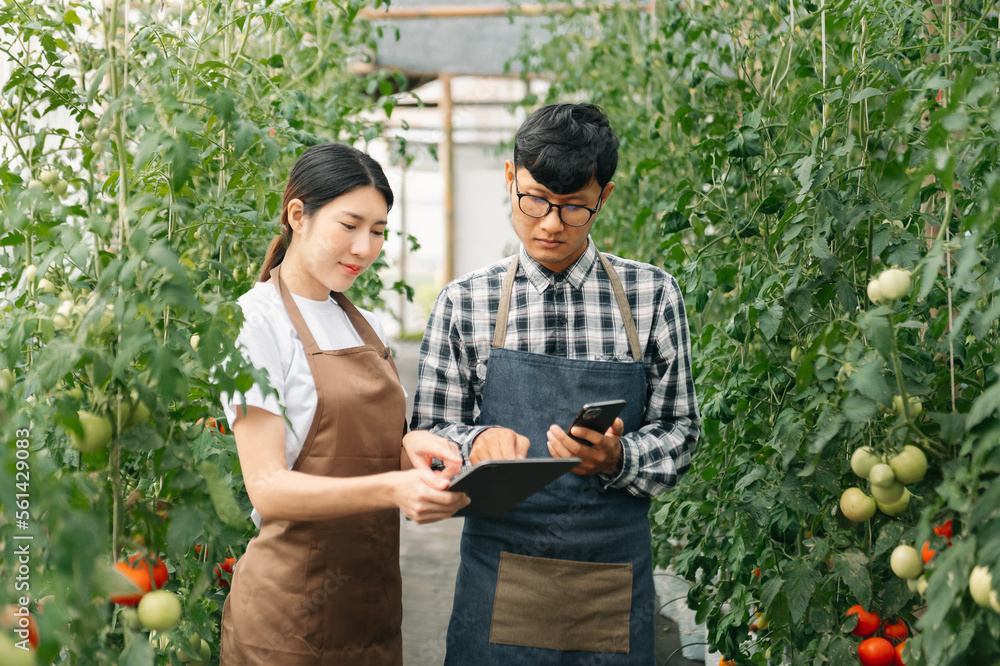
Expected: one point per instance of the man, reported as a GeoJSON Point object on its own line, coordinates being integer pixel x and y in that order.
{"type": "Point", "coordinates": [566, 576]}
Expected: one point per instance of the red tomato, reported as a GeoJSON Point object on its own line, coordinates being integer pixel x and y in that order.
{"type": "Point", "coordinates": [139, 576]}
{"type": "Point", "coordinates": [944, 530]}
{"type": "Point", "coordinates": [756, 572]}
{"type": "Point", "coordinates": [897, 631]}
{"type": "Point", "coordinates": [159, 573]}
{"type": "Point", "coordinates": [227, 567]}
{"type": "Point", "coordinates": [213, 424]}
{"type": "Point", "coordinates": [898, 660]}
{"type": "Point", "coordinates": [876, 651]}
{"type": "Point", "coordinates": [926, 553]}
{"type": "Point", "coordinates": [868, 623]}
{"type": "Point", "coordinates": [18, 619]}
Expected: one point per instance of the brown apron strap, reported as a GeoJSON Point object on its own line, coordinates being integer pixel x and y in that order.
{"type": "Point", "coordinates": [500, 332]}
{"type": "Point", "coordinates": [365, 331]}
{"type": "Point", "coordinates": [308, 341]}
{"type": "Point", "coordinates": [623, 307]}
{"type": "Point", "coordinates": [358, 321]}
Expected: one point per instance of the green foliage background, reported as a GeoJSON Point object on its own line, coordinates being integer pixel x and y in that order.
{"type": "Point", "coordinates": [190, 116]}
{"type": "Point", "coordinates": [764, 147]}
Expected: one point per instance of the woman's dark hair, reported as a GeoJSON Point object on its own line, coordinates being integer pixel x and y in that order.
{"type": "Point", "coordinates": [566, 146]}
{"type": "Point", "coordinates": [321, 174]}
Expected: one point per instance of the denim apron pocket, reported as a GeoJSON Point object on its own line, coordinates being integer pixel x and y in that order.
{"type": "Point", "coordinates": [562, 604]}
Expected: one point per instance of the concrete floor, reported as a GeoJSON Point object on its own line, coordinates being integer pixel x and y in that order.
{"type": "Point", "coordinates": [429, 561]}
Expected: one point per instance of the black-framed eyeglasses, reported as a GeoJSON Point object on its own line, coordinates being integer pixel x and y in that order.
{"type": "Point", "coordinates": [572, 215]}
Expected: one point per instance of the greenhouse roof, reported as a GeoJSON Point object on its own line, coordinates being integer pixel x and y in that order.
{"type": "Point", "coordinates": [466, 43]}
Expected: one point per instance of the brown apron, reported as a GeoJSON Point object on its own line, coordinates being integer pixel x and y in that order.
{"type": "Point", "coordinates": [329, 592]}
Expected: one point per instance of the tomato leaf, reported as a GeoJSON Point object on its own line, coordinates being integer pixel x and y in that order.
{"type": "Point", "coordinates": [802, 579]}
{"type": "Point", "coordinates": [888, 538]}
{"type": "Point", "coordinates": [769, 590]}
{"type": "Point", "coordinates": [138, 650]}
{"type": "Point", "coordinates": [869, 381]}
{"type": "Point", "coordinates": [984, 406]}
{"type": "Point", "coordinates": [858, 409]}
{"type": "Point", "coordinates": [223, 500]}
{"type": "Point", "coordinates": [852, 568]}
{"type": "Point", "coordinates": [948, 582]}
{"type": "Point", "coordinates": [770, 320]}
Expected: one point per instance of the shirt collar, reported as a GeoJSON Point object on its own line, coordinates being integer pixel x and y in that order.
{"type": "Point", "coordinates": [542, 278]}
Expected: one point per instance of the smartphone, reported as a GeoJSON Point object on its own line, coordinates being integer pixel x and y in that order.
{"type": "Point", "coordinates": [597, 416]}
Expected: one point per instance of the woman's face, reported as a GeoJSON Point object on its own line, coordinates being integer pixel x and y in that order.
{"type": "Point", "coordinates": [331, 247]}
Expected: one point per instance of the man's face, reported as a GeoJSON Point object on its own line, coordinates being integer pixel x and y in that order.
{"type": "Point", "coordinates": [548, 240]}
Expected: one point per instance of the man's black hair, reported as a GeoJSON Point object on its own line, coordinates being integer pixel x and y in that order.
{"type": "Point", "coordinates": [566, 146]}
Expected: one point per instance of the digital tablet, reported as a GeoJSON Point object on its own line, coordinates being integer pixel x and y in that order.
{"type": "Point", "coordinates": [497, 486]}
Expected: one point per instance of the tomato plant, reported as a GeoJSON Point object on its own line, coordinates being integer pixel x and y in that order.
{"type": "Point", "coordinates": [143, 153]}
{"type": "Point", "coordinates": [764, 146]}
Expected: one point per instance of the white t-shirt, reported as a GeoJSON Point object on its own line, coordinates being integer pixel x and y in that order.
{"type": "Point", "coordinates": [270, 343]}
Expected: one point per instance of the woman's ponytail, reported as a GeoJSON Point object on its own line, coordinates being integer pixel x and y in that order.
{"type": "Point", "coordinates": [275, 254]}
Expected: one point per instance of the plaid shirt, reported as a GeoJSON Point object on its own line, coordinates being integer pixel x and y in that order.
{"type": "Point", "coordinates": [570, 315]}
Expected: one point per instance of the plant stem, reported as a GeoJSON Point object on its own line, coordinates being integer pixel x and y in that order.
{"type": "Point", "coordinates": [898, 369]}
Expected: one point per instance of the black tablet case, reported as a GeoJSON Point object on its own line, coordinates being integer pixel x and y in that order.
{"type": "Point", "coordinates": [497, 486]}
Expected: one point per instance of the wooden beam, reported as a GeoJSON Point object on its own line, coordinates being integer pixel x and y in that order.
{"type": "Point", "coordinates": [446, 157]}
{"type": "Point", "coordinates": [464, 11]}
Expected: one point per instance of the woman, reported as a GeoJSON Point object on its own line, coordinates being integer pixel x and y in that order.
{"type": "Point", "coordinates": [320, 583]}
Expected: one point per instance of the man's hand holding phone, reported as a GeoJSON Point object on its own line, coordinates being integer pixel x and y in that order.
{"type": "Point", "coordinates": [599, 452]}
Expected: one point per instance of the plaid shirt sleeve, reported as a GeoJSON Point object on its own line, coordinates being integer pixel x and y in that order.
{"type": "Point", "coordinates": [658, 454]}
{"type": "Point", "coordinates": [445, 401]}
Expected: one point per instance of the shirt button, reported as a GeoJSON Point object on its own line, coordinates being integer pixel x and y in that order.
{"type": "Point", "coordinates": [562, 319]}
{"type": "Point", "coordinates": [560, 277]}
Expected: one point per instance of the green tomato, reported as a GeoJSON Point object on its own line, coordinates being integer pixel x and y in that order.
{"type": "Point", "coordinates": [862, 461]}
{"type": "Point", "coordinates": [6, 380]}
{"type": "Point", "coordinates": [894, 283]}
{"type": "Point", "coordinates": [897, 507]}
{"type": "Point", "coordinates": [200, 647]}
{"type": "Point", "coordinates": [909, 465]}
{"type": "Point", "coordinates": [60, 187]}
{"type": "Point", "coordinates": [49, 176]}
{"type": "Point", "coordinates": [857, 506]}
{"type": "Point", "coordinates": [160, 610]}
{"type": "Point", "coordinates": [140, 414]}
{"type": "Point", "coordinates": [881, 475]}
{"type": "Point", "coordinates": [888, 494]}
{"type": "Point", "coordinates": [905, 562]}
{"type": "Point", "coordinates": [96, 432]}
{"type": "Point", "coordinates": [981, 585]}
{"type": "Point", "coordinates": [875, 294]}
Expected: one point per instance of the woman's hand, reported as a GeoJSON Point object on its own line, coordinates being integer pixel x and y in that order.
{"type": "Point", "coordinates": [420, 494]}
{"type": "Point", "coordinates": [421, 446]}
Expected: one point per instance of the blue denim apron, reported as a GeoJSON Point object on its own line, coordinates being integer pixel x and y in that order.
{"type": "Point", "coordinates": [565, 577]}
